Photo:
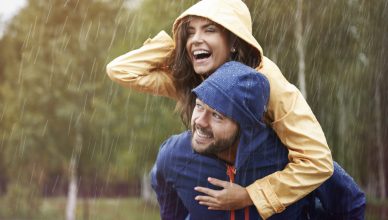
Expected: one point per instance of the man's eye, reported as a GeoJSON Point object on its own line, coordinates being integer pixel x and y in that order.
{"type": "Point", "coordinates": [217, 116]}
{"type": "Point", "coordinates": [198, 106]}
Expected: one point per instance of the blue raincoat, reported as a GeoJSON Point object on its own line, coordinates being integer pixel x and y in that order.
{"type": "Point", "coordinates": [240, 93]}
{"type": "Point", "coordinates": [338, 198]}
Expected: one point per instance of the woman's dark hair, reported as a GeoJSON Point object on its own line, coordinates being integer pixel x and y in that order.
{"type": "Point", "coordinates": [186, 79]}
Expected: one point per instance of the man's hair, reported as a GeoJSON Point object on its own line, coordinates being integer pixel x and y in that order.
{"type": "Point", "coordinates": [185, 78]}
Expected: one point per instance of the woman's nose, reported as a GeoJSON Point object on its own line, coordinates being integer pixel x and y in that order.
{"type": "Point", "coordinates": [197, 38]}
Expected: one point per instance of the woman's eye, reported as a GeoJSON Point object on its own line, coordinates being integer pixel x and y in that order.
{"type": "Point", "coordinates": [190, 31]}
{"type": "Point", "coordinates": [211, 29]}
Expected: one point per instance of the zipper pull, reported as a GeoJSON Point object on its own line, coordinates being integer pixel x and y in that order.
{"type": "Point", "coordinates": [231, 172]}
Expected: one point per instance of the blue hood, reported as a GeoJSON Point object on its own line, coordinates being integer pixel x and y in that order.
{"type": "Point", "coordinates": [240, 93]}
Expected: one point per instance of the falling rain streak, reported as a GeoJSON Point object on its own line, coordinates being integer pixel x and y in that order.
{"type": "Point", "coordinates": [68, 131]}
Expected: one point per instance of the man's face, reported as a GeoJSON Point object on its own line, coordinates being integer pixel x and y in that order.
{"type": "Point", "coordinates": [207, 45]}
{"type": "Point", "coordinates": [213, 133]}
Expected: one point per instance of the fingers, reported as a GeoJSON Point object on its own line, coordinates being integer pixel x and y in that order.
{"type": "Point", "coordinates": [208, 201]}
{"type": "Point", "coordinates": [215, 199]}
{"type": "Point", "coordinates": [206, 191]}
{"type": "Point", "coordinates": [211, 206]}
{"type": "Point", "coordinates": [205, 199]}
{"type": "Point", "coordinates": [217, 182]}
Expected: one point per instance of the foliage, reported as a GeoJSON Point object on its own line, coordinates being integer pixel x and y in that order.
{"type": "Point", "coordinates": [58, 53]}
{"type": "Point", "coordinates": [22, 201]}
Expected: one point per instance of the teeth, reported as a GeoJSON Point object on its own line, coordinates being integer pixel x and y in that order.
{"type": "Point", "coordinates": [198, 52]}
{"type": "Point", "coordinates": [202, 134]}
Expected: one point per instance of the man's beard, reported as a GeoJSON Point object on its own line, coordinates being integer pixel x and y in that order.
{"type": "Point", "coordinates": [218, 145]}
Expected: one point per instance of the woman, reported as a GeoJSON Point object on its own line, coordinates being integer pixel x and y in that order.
{"type": "Point", "coordinates": [207, 35]}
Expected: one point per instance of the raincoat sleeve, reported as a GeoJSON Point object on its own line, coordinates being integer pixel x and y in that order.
{"type": "Point", "coordinates": [309, 155]}
{"type": "Point", "coordinates": [144, 69]}
{"type": "Point", "coordinates": [171, 207]}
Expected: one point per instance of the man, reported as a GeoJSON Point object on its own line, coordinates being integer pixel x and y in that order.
{"type": "Point", "coordinates": [230, 142]}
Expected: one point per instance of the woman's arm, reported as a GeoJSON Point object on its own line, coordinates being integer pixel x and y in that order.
{"type": "Point", "coordinates": [144, 69]}
{"type": "Point", "coordinates": [310, 157]}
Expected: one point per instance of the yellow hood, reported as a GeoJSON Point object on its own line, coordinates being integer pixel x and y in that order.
{"type": "Point", "coordinates": [233, 15]}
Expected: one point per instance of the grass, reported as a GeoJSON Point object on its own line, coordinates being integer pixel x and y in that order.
{"type": "Point", "coordinates": [98, 209]}
{"type": "Point", "coordinates": [104, 209]}
{"type": "Point", "coordinates": [136, 209]}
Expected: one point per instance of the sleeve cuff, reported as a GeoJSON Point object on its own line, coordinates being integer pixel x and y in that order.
{"type": "Point", "coordinates": [264, 198]}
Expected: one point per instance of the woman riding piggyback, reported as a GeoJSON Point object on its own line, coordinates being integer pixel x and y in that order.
{"type": "Point", "coordinates": [205, 36]}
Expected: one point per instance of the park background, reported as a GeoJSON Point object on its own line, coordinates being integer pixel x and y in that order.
{"type": "Point", "coordinates": [73, 144]}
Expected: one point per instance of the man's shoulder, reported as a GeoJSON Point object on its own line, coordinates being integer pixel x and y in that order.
{"type": "Point", "coordinates": [178, 140]}
{"type": "Point", "coordinates": [175, 145]}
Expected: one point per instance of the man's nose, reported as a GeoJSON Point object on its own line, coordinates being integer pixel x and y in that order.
{"type": "Point", "coordinates": [202, 120]}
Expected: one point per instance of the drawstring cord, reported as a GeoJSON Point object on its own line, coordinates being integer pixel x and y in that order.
{"type": "Point", "coordinates": [231, 172]}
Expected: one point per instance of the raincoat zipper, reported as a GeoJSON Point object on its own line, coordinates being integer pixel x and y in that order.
{"type": "Point", "coordinates": [231, 172]}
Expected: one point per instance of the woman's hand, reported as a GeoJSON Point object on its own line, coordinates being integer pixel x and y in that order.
{"type": "Point", "coordinates": [231, 197]}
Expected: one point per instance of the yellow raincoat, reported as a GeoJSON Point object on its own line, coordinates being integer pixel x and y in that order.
{"type": "Point", "coordinates": [290, 116]}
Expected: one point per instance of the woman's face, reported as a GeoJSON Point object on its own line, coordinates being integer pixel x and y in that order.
{"type": "Point", "coordinates": [207, 45]}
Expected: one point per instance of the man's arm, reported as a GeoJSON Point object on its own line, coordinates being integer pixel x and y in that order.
{"type": "Point", "coordinates": [171, 207]}
{"type": "Point", "coordinates": [341, 197]}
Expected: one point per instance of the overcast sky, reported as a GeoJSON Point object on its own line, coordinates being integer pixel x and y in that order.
{"type": "Point", "coordinates": [8, 8]}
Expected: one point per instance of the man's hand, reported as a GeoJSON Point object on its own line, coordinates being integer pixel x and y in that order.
{"type": "Point", "coordinates": [231, 197]}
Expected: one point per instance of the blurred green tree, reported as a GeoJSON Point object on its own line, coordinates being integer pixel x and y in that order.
{"type": "Point", "coordinates": [54, 84]}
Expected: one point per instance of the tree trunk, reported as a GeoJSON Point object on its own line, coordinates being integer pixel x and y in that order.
{"type": "Point", "coordinates": [379, 143]}
{"type": "Point", "coordinates": [72, 193]}
{"type": "Point", "coordinates": [299, 36]}
{"type": "Point", "coordinates": [147, 194]}
{"type": "Point", "coordinates": [342, 129]}
{"type": "Point", "coordinates": [73, 185]}
{"type": "Point", "coordinates": [380, 86]}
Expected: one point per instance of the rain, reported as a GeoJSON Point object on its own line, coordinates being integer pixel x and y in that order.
{"type": "Point", "coordinates": [76, 145]}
